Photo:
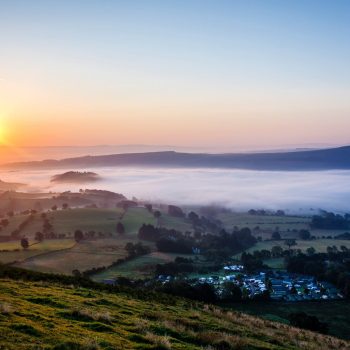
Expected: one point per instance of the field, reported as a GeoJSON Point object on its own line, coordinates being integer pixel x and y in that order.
{"type": "Point", "coordinates": [138, 268]}
{"type": "Point", "coordinates": [55, 255]}
{"type": "Point", "coordinates": [83, 256]}
{"type": "Point", "coordinates": [269, 223]}
{"type": "Point", "coordinates": [44, 315]}
{"type": "Point", "coordinates": [335, 313]}
{"type": "Point", "coordinates": [177, 223]}
{"type": "Point", "coordinates": [135, 217]}
{"type": "Point", "coordinates": [99, 220]}
{"type": "Point", "coordinates": [34, 250]}
{"type": "Point", "coordinates": [320, 245]}
{"type": "Point", "coordinates": [264, 222]}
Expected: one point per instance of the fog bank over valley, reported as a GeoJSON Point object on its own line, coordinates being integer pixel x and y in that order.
{"type": "Point", "coordinates": [296, 192]}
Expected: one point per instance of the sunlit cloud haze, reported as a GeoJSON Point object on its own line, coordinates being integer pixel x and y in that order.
{"type": "Point", "coordinates": [296, 192]}
{"type": "Point", "coordinates": [213, 74]}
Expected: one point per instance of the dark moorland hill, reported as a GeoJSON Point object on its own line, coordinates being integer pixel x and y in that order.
{"type": "Point", "coordinates": [59, 314]}
{"type": "Point", "coordinates": [323, 159]}
{"type": "Point", "coordinates": [75, 177]}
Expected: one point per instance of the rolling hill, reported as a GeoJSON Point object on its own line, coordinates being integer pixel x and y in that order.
{"type": "Point", "coordinates": [323, 159]}
{"type": "Point", "coordinates": [39, 311]}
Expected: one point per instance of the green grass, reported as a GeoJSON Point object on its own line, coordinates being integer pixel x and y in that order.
{"type": "Point", "coordinates": [268, 224]}
{"type": "Point", "coordinates": [15, 221]}
{"type": "Point", "coordinates": [180, 224]}
{"type": "Point", "coordinates": [320, 245]}
{"type": "Point", "coordinates": [83, 256]}
{"type": "Point", "coordinates": [55, 317]}
{"type": "Point", "coordinates": [99, 220]}
{"type": "Point", "coordinates": [34, 250]}
{"type": "Point", "coordinates": [275, 263]}
{"type": "Point", "coordinates": [135, 217]}
{"type": "Point", "coordinates": [335, 313]}
{"type": "Point", "coordinates": [265, 222]}
{"type": "Point", "coordinates": [138, 268]}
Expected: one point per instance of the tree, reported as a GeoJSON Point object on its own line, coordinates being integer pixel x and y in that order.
{"type": "Point", "coordinates": [24, 243]}
{"type": "Point", "coordinates": [4, 222]}
{"type": "Point", "coordinates": [276, 236]}
{"type": "Point", "coordinates": [311, 251]}
{"type": "Point", "coordinates": [157, 214]}
{"type": "Point", "coordinates": [303, 320]}
{"type": "Point", "coordinates": [54, 207]}
{"type": "Point", "coordinates": [193, 217]}
{"type": "Point", "coordinates": [149, 207]}
{"type": "Point", "coordinates": [120, 228]}
{"type": "Point", "coordinates": [231, 292]}
{"type": "Point", "coordinates": [304, 234]}
{"type": "Point", "coordinates": [78, 235]}
{"type": "Point", "coordinates": [39, 236]}
{"type": "Point", "coordinates": [290, 242]}
{"type": "Point", "coordinates": [65, 206]}
{"type": "Point", "coordinates": [276, 251]}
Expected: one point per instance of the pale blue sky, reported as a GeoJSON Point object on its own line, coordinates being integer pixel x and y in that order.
{"type": "Point", "coordinates": [146, 68]}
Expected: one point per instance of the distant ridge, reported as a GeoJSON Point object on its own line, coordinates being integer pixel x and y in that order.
{"type": "Point", "coordinates": [323, 159]}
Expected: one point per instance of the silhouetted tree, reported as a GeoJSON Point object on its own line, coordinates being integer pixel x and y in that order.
{"type": "Point", "coordinates": [24, 243]}
{"type": "Point", "coordinates": [39, 236]}
{"type": "Point", "coordinates": [78, 235]}
{"type": "Point", "coordinates": [120, 228]}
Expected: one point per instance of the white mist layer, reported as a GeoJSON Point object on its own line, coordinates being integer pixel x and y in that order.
{"type": "Point", "coordinates": [236, 189]}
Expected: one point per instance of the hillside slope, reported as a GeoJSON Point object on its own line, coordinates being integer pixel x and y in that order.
{"type": "Point", "coordinates": [324, 159]}
{"type": "Point", "coordinates": [44, 315]}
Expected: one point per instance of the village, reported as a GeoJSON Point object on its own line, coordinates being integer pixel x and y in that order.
{"type": "Point", "coordinates": [277, 285]}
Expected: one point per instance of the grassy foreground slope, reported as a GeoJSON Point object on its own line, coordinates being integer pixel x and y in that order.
{"type": "Point", "coordinates": [44, 315]}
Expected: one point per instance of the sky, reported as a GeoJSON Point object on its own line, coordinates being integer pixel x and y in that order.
{"type": "Point", "coordinates": [221, 74]}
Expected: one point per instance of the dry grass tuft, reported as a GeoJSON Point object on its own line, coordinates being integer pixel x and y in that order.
{"type": "Point", "coordinates": [160, 341]}
{"type": "Point", "coordinates": [141, 325]}
{"type": "Point", "coordinates": [222, 340]}
{"type": "Point", "coordinates": [5, 308]}
{"type": "Point", "coordinates": [90, 344]}
{"type": "Point", "coordinates": [101, 316]}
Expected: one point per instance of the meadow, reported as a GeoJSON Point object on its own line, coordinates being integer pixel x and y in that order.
{"type": "Point", "coordinates": [14, 252]}
{"type": "Point", "coordinates": [320, 245]}
{"type": "Point", "coordinates": [138, 268]}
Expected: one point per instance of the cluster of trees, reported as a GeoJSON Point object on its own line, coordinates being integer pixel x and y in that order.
{"type": "Point", "coordinates": [305, 321]}
{"type": "Point", "coordinates": [173, 210]}
{"type": "Point", "coordinates": [329, 220]}
{"type": "Point", "coordinates": [214, 247]}
{"type": "Point", "coordinates": [179, 266]}
{"type": "Point", "coordinates": [265, 212]}
{"type": "Point", "coordinates": [79, 235]}
{"type": "Point", "coordinates": [302, 234]}
{"type": "Point", "coordinates": [203, 223]}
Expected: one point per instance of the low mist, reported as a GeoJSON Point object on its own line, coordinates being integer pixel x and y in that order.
{"type": "Point", "coordinates": [295, 192]}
